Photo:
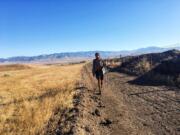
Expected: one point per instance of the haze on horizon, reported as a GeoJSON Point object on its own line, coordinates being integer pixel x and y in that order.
{"type": "Point", "coordinates": [34, 27]}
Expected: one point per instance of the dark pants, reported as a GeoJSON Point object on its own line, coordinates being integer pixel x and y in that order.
{"type": "Point", "coordinates": [99, 74]}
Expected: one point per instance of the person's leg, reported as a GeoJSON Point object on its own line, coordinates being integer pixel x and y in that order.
{"type": "Point", "coordinates": [99, 81]}
{"type": "Point", "coordinates": [102, 78]}
{"type": "Point", "coordinates": [99, 85]}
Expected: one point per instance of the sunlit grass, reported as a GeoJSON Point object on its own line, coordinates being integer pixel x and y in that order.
{"type": "Point", "coordinates": [28, 97]}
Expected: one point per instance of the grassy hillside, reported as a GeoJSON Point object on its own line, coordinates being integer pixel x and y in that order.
{"type": "Point", "coordinates": [168, 72]}
{"type": "Point", "coordinates": [153, 68]}
{"type": "Point", "coordinates": [141, 64]}
{"type": "Point", "coordinates": [29, 97]}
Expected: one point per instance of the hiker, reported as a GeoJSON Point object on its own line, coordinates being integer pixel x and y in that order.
{"type": "Point", "coordinates": [98, 70]}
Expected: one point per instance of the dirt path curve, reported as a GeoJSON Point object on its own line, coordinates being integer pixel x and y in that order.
{"type": "Point", "coordinates": [127, 109]}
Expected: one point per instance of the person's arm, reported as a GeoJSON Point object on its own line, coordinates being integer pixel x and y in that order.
{"type": "Point", "coordinates": [104, 66]}
{"type": "Point", "coordinates": [104, 63]}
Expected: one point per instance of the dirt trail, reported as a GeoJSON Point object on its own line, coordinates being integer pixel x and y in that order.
{"type": "Point", "coordinates": [127, 109]}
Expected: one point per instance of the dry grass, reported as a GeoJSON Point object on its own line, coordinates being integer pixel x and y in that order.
{"type": "Point", "coordinates": [144, 65]}
{"type": "Point", "coordinates": [13, 67]}
{"type": "Point", "coordinates": [28, 97]}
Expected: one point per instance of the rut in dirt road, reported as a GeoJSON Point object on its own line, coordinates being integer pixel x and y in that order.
{"type": "Point", "coordinates": [127, 109]}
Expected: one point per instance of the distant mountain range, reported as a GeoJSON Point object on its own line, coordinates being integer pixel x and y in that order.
{"type": "Point", "coordinates": [75, 56]}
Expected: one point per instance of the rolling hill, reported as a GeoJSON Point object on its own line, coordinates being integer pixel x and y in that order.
{"type": "Point", "coordinates": [152, 68]}
{"type": "Point", "coordinates": [77, 56]}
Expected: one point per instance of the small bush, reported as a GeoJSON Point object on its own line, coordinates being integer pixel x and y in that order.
{"type": "Point", "coordinates": [6, 75]}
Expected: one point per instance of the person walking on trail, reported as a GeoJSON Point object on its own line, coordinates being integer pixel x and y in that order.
{"type": "Point", "coordinates": [97, 70]}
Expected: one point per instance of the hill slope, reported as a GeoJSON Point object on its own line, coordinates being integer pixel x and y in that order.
{"type": "Point", "coordinates": [154, 68]}
{"type": "Point", "coordinates": [141, 64]}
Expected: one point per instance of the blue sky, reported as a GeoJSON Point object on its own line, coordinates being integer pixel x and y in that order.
{"type": "Point", "coordinates": [32, 27]}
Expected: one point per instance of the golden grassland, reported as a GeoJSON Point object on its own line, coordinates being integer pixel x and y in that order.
{"type": "Point", "coordinates": [29, 96]}
{"type": "Point", "coordinates": [12, 67]}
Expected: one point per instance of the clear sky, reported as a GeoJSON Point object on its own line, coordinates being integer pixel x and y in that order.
{"type": "Point", "coordinates": [31, 27]}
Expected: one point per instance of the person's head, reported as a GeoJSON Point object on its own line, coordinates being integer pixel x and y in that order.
{"type": "Point", "coordinates": [97, 55]}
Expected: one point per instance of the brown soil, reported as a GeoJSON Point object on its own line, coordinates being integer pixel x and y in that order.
{"type": "Point", "coordinates": [127, 109]}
